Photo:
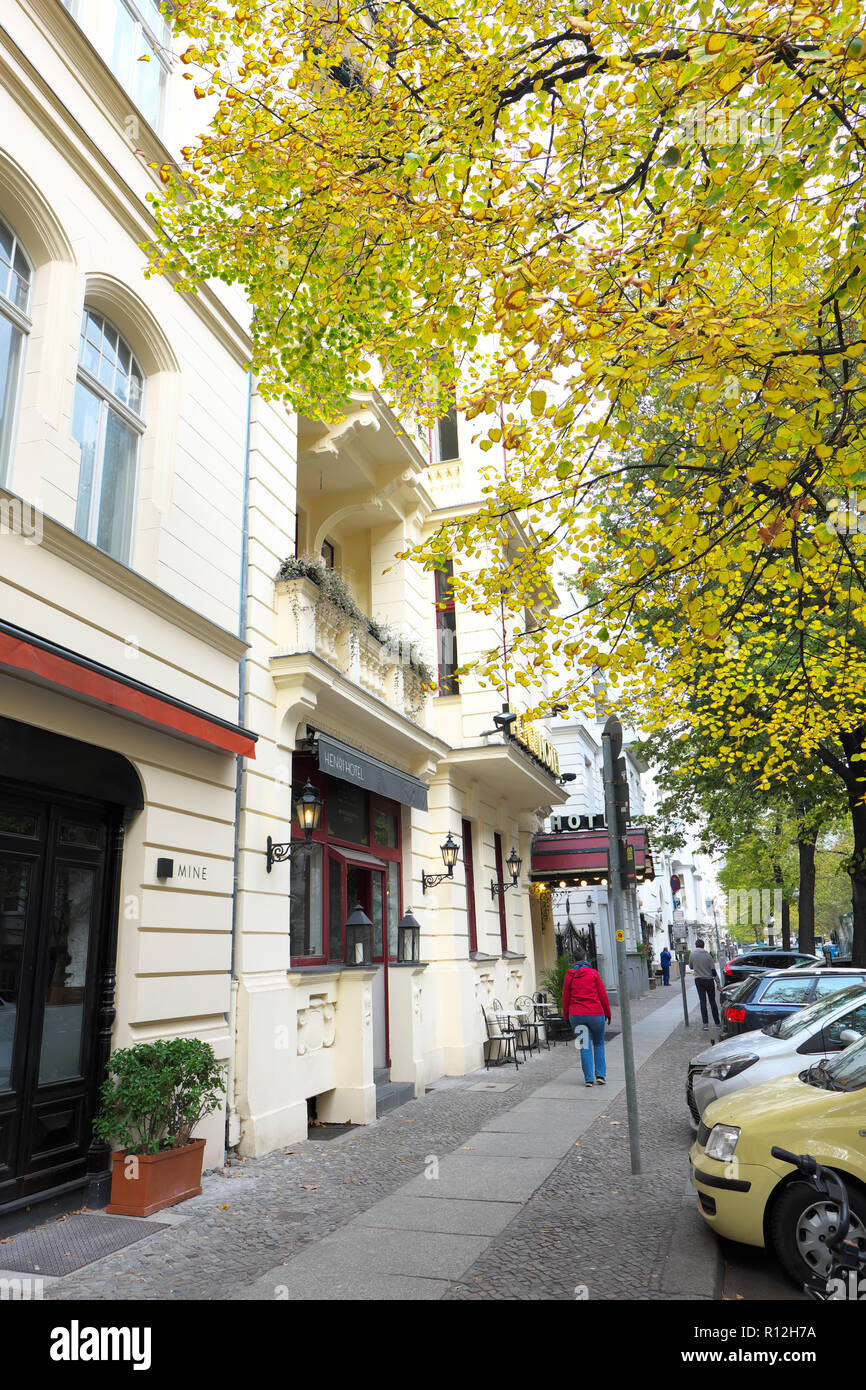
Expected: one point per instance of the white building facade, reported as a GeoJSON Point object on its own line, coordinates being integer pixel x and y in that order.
{"type": "Point", "coordinates": [169, 680]}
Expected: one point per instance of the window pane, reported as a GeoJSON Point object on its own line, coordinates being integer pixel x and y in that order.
{"type": "Point", "coordinates": [385, 829]}
{"type": "Point", "coordinates": [86, 836]}
{"type": "Point", "coordinates": [14, 824]}
{"type": "Point", "coordinates": [117, 499]}
{"type": "Point", "coordinates": [11, 344]}
{"type": "Point", "coordinates": [335, 910]}
{"type": "Point", "coordinates": [123, 48]}
{"type": "Point", "coordinates": [787, 992]}
{"type": "Point", "coordinates": [14, 893]}
{"type": "Point", "coordinates": [855, 1020]}
{"type": "Point", "coordinates": [831, 984]}
{"type": "Point", "coordinates": [305, 904]}
{"type": "Point", "coordinates": [393, 891]}
{"type": "Point", "coordinates": [446, 637]}
{"type": "Point", "coordinates": [67, 966]}
{"type": "Point", "coordinates": [347, 814]}
{"type": "Point", "coordinates": [85, 428]}
{"type": "Point", "coordinates": [449, 447]}
{"type": "Point", "coordinates": [150, 84]}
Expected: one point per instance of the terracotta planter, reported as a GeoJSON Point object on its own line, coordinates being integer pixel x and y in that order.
{"type": "Point", "coordinates": [155, 1180]}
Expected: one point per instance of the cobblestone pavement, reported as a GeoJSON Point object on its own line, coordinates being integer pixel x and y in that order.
{"type": "Point", "coordinates": [256, 1214]}
{"type": "Point", "coordinates": [593, 1230]}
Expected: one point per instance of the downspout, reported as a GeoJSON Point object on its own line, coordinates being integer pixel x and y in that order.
{"type": "Point", "coordinates": [233, 1128]}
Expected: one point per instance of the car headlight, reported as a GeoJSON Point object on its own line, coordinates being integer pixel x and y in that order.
{"type": "Point", "coordinates": [731, 1066]}
{"type": "Point", "coordinates": [722, 1142]}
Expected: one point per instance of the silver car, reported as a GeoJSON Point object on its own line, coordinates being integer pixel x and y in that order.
{"type": "Point", "coordinates": [782, 1048]}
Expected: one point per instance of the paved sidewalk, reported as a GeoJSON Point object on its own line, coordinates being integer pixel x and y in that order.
{"type": "Point", "coordinates": [468, 1192]}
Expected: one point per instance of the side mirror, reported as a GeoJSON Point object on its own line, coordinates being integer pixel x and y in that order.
{"type": "Point", "coordinates": [849, 1035]}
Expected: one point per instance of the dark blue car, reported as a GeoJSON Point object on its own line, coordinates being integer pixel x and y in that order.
{"type": "Point", "coordinates": [759, 1000]}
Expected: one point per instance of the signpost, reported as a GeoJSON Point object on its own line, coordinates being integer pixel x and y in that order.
{"type": "Point", "coordinates": [617, 815]}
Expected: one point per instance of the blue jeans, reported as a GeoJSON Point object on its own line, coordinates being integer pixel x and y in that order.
{"type": "Point", "coordinates": [666, 974]}
{"type": "Point", "coordinates": [593, 1036]}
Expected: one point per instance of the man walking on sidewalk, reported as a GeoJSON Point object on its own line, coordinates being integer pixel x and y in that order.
{"type": "Point", "coordinates": [706, 981]}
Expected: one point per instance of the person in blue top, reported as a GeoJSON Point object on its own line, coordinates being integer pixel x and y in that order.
{"type": "Point", "coordinates": [665, 963]}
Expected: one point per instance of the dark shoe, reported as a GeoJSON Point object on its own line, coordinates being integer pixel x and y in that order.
{"type": "Point", "coordinates": [589, 1083]}
{"type": "Point", "coordinates": [600, 1080]}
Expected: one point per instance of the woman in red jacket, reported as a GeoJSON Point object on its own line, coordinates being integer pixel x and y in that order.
{"type": "Point", "coordinates": [585, 1005]}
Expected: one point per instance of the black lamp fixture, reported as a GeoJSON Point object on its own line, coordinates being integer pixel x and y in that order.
{"type": "Point", "coordinates": [502, 722]}
{"type": "Point", "coordinates": [408, 937]}
{"type": "Point", "coordinates": [450, 852]}
{"type": "Point", "coordinates": [567, 777]}
{"type": "Point", "coordinates": [309, 811]}
{"type": "Point", "coordinates": [514, 863]}
{"type": "Point", "coordinates": [359, 937]}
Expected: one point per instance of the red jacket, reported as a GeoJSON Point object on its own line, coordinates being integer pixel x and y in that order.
{"type": "Point", "coordinates": [584, 993]}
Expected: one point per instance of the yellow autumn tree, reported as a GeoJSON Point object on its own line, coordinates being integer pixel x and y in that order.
{"type": "Point", "coordinates": [554, 206]}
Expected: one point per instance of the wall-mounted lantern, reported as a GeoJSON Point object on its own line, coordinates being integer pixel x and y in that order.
{"type": "Point", "coordinates": [359, 938]}
{"type": "Point", "coordinates": [408, 937]}
{"type": "Point", "coordinates": [514, 863]}
{"type": "Point", "coordinates": [450, 852]}
{"type": "Point", "coordinates": [308, 807]}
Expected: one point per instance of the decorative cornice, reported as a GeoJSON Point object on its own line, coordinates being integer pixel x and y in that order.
{"type": "Point", "coordinates": [66, 545]}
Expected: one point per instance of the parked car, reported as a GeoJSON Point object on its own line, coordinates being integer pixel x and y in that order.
{"type": "Point", "coordinates": [747, 1195]}
{"type": "Point", "coordinates": [763, 999]}
{"type": "Point", "coordinates": [825, 1027]}
{"type": "Point", "coordinates": [767, 958]}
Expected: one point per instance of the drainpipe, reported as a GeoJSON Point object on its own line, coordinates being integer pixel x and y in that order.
{"type": "Point", "coordinates": [233, 1132]}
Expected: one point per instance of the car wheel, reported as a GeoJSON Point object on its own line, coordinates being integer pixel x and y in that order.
{"type": "Point", "coordinates": [801, 1222]}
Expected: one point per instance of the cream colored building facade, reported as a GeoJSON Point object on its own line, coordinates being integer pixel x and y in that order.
{"type": "Point", "coordinates": [163, 689]}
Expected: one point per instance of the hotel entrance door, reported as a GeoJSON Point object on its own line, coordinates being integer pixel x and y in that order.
{"type": "Point", "coordinates": [53, 917]}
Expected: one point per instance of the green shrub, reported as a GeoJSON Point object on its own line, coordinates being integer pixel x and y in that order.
{"type": "Point", "coordinates": [553, 980]}
{"type": "Point", "coordinates": [157, 1092]}
{"type": "Point", "coordinates": [335, 589]}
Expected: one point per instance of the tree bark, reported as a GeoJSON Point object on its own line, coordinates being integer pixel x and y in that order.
{"type": "Point", "coordinates": [854, 744]}
{"type": "Point", "coordinates": [780, 883]}
{"type": "Point", "coordinates": [806, 938]}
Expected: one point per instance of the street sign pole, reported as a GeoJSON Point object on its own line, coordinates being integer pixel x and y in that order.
{"type": "Point", "coordinates": [611, 742]}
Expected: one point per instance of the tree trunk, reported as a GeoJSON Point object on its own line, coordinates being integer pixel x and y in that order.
{"type": "Point", "coordinates": [779, 882]}
{"type": "Point", "coordinates": [854, 744]}
{"type": "Point", "coordinates": [806, 849]}
{"type": "Point", "coordinates": [858, 884]}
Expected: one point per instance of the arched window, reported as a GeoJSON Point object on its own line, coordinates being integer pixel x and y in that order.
{"type": "Point", "coordinates": [107, 421]}
{"type": "Point", "coordinates": [16, 281]}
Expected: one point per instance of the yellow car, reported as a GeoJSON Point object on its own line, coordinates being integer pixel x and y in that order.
{"type": "Point", "coordinates": [747, 1195]}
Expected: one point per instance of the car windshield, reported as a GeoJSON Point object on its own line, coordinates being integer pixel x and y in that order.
{"type": "Point", "coordinates": [847, 1070]}
{"type": "Point", "coordinates": [806, 1018]}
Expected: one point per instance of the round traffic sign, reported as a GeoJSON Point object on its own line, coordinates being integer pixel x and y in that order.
{"type": "Point", "coordinates": [675, 883]}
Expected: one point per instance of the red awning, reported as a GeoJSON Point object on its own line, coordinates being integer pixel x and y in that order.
{"type": "Point", "coordinates": [23, 653]}
{"type": "Point", "coordinates": [579, 858]}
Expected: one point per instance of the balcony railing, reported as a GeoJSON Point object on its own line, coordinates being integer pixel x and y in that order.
{"type": "Point", "coordinates": [309, 622]}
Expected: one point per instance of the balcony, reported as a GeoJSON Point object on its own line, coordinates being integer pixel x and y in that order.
{"type": "Point", "coordinates": [309, 623]}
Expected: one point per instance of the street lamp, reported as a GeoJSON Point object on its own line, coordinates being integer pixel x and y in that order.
{"type": "Point", "coordinates": [514, 863]}
{"type": "Point", "coordinates": [308, 807]}
{"type": "Point", "coordinates": [450, 851]}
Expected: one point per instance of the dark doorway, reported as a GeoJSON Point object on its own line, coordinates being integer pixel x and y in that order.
{"type": "Point", "coordinates": [57, 899]}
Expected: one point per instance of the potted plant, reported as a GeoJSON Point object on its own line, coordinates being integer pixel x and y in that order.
{"type": "Point", "coordinates": [151, 1101]}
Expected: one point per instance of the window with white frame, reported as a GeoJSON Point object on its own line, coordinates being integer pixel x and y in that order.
{"type": "Point", "coordinates": [16, 281]}
{"type": "Point", "coordinates": [107, 421]}
{"type": "Point", "coordinates": [133, 38]}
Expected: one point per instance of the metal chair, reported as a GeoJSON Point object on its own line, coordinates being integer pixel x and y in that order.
{"type": "Point", "coordinates": [534, 1024]}
{"type": "Point", "coordinates": [499, 1035]}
